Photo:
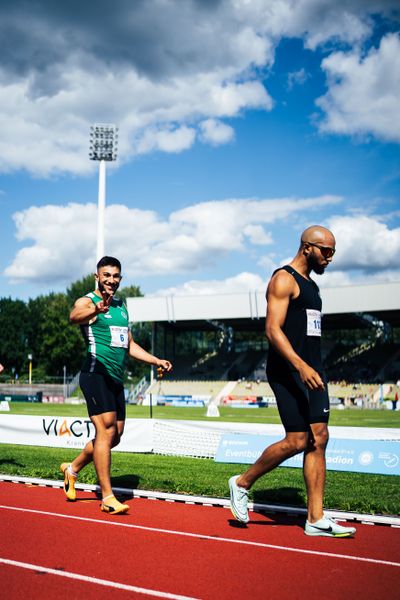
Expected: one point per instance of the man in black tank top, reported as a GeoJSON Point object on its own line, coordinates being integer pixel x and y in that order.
{"type": "Point", "coordinates": [294, 370]}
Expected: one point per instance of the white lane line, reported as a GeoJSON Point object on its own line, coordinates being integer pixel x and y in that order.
{"type": "Point", "coordinates": [151, 495]}
{"type": "Point", "coordinates": [95, 580]}
{"type": "Point", "coordinates": [201, 536]}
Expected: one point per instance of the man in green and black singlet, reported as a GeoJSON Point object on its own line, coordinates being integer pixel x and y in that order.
{"type": "Point", "coordinates": [295, 374]}
{"type": "Point", "coordinates": [106, 339]}
{"type": "Point", "coordinates": [103, 319]}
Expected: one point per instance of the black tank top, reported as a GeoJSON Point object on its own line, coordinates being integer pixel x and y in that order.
{"type": "Point", "coordinates": [302, 327]}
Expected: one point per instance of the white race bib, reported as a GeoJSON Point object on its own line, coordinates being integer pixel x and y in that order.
{"type": "Point", "coordinates": [313, 322]}
{"type": "Point", "coordinates": [119, 336]}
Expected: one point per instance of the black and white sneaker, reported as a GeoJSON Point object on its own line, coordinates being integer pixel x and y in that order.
{"type": "Point", "coordinates": [328, 528]}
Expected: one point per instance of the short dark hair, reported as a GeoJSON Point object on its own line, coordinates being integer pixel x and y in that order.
{"type": "Point", "coordinates": [109, 261]}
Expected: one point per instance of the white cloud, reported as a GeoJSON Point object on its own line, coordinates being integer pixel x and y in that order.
{"type": "Point", "coordinates": [323, 21]}
{"type": "Point", "coordinates": [243, 282]}
{"type": "Point", "coordinates": [268, 263]}
{"type": "Point", "coordinates": [297, 78]}
{"type": "Point", "coordinates": [51, 134]}
{"type": "Point", "coordinates": [364, 92]}
{"type": "Point", "coordinates": [157, 89]}
{"type": "Point", "coordinates": [346, 278]}
{"type": "Point", "coordinates": [167, 140]}
{"type": "Point", "coordinates": [257, 235]}
{"type": "Point", "coordinates": [63, 237]}
{"type": "Point", "coordinates": [365, 243]}
{"type": "Point", "coordinates": [159, 69]}
{"type": "Point", "coordinates": [317, 21]}
{"type": "Point", "coordinates": [59, 243]}
{"type": "Point", "coordinates": [215, 132]}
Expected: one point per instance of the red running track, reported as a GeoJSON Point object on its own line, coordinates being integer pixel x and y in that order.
{"type": "Point", "coordinates": [54, 549]}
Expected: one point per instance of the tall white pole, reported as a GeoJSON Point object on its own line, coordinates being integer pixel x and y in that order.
{"type": "Point", "coordinates": [101, 209]}
{"type": "Point", "coordinates": [103, 147]}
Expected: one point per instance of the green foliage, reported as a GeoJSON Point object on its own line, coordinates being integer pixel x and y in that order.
{"type": "Point", "coordinates": [41, 327]}
{"type": "Point", "coordinates": [36, 308]}
{"type": "Point", "coordinates": [80, 288]}
{"type": "Point", "coordinates": [130, 291]}
{"type": "Point", "coordinates": [14, 327]}
{"type": "Point", "coordinates": [61, 343]}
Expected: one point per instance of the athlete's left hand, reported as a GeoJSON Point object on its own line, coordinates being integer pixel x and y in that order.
{"type": "Point", "coordinates": [165, 365]}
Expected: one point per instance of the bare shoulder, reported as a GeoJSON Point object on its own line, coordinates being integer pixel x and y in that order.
{"type": "Point", "coordinates": [282, 284]}
{"type": "Point", "coordinates": [82, 310]}
{"type": "Point", "coordinates": [82, 302]}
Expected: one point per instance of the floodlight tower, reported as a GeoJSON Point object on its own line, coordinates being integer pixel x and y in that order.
{"type": "Point", "coordinates": [103, 147]}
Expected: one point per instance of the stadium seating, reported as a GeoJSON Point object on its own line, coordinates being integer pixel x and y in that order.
{"type": "Point", "coordinates": [376, 363]}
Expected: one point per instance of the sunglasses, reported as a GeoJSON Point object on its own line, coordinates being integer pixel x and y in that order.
{"type": "Point", "coordinates": [326, 251]}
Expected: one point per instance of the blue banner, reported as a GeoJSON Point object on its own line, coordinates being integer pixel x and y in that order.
{"type": "Point", "coordinates": [178, 400]}
{"type": "Point", "coordinates": [360, 456]}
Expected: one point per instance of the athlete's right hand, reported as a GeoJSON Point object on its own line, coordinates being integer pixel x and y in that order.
{"type": "Point", "coordinates": [104, 305]}
{"type": "Point", "coordinates": [311, 378]}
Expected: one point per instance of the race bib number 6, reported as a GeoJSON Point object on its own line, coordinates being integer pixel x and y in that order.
{"type": "Point", "coordinates": [313, 322]}
{"type": "Point", "coordinates": [119, 336]}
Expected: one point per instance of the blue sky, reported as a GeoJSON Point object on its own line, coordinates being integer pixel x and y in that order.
{"type": "Point", "coordinates": [241, 123]}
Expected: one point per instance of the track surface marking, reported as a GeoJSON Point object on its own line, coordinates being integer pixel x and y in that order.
{"type": "Point", "coordinates": [181, 550]}
{"type": "Point", "coordinates": [95, 580]}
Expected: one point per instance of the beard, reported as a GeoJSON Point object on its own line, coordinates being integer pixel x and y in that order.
{"type": "Point", "coordinates": [315, 265]}
{"type": "Point", "coordinates": [102, 289]}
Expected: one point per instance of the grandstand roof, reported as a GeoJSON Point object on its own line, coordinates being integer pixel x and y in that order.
{"type": "Point", "coordinates": [343, 307]}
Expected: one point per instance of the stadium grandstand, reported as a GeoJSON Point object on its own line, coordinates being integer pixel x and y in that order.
{"type": "Point", "coordinates": [218, 346]}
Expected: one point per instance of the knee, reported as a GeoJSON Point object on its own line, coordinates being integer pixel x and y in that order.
{"type": "Point", "coordinates": [110, 431]}
{"type": "Point", "coordinates": [320, 438]}
{"type": "Point", "coordinates": [297, 444]}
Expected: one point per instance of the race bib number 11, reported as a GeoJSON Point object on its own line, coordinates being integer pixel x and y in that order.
{"type": "Point", "coordinates": [119, 336]}
{"type": "Point", "coordinates": [313, 322]}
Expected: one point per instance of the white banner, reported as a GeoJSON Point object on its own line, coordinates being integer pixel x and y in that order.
{"type": "Point", "coordinates": [70, 432]}
{"type": "Point", "coordinates": [180, 438]}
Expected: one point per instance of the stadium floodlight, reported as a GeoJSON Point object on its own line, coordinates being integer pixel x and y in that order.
{"type": "Point", "coordinates": [103, 147]}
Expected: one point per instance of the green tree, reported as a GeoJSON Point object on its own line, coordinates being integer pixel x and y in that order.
{"type": "Point", "coordinates": [41, 327]}
{"type": "Point", "coordinates": [36, 310]}
{"type": "Point", "coordinates": [130, 291]}
{"type": "Point", "coordinates": [80, 288]}
{"type": "Point", "coordinates": [61, 343]}
{"type": "Point", "coordinates": [14, 325]}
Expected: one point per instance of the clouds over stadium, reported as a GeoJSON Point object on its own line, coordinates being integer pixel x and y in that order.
{"type": "Point", "coordinates": [194, 238]}
{"type": "Point", "coordinates": [170, 73]}
{"type": "Point", "coordinates": [270, 103]}
{"type": "Point", "coordinates": [188, 240]}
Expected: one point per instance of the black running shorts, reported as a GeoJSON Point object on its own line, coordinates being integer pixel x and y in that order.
{"type": "Point", "coordinates": [298, 406]}
{"type": "Point", "coordinates": [103, 394]}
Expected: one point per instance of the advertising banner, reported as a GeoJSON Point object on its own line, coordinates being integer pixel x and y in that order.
{"type": "Point", "coordinates": [360, 456]}
{"type": "Point", "coordinates": [70, 432]}
{"type": "Point", "coordinates": [176, 400]}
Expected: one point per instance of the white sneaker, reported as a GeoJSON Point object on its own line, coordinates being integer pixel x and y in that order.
{"type": "Point", "coordinates": [328, 528]}
{"type": "Point", "coordinates": [239, 499]}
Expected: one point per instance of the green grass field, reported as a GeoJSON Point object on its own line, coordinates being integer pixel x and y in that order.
{"type": "Point", "coordinates": [375, 494]}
